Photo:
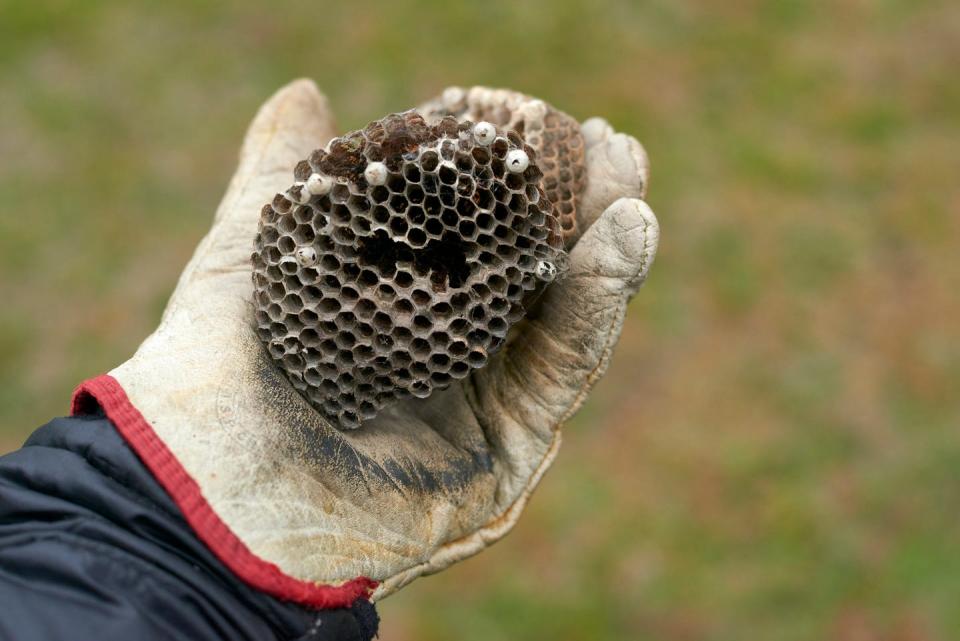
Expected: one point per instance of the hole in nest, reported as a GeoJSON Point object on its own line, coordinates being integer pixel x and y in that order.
{"type": "Point", "coordinates": [444, 258]}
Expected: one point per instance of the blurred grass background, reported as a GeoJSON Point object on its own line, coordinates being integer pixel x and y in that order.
{"type": "Point", "coordinates": [775, 453]}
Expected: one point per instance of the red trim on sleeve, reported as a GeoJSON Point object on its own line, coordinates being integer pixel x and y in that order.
{"type": "Point", "coordinates": [106, 392]}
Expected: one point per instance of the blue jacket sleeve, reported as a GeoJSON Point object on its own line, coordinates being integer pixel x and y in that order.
{"type": "Point", "coordinates": [91, 547]}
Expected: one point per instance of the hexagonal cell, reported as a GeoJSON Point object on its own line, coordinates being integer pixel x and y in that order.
{"type": "Point", "coordinates": [429, 161]}
{"type": "Point", "coordinates": [396, 183]}
{"type": "Point", "coordinates": [403, 278]}
{"type": "Point", "coordinates": [433, 227]}
{"type": "Point", "coordinates": [447, 173]}
{"type": "Point", "coordinates": [381, 215]}
{"type": "Point", "coordinates": [293, 362]}
{"type": "Point", "coordinates": [415, 193]}
{"type": "Point", "coordinates": [459, 369]}
{"type": "Point", "coordinates": [432, 206]}
{"type": "Point", "coordinates": [448, 196]}
{"type": "Point", "coordinates": [360, 226]}
{"type": "Point", "coordinates": [459, 326]}
{"type": "Point", "coordinates": [447, 148]}
{"type": "Point", "coordinates": [403, 307]}
{"type": "Point", "coordinates": [302, 214]}
{"type": "Point", "coordinates": [439, 362]}
{"type": "Point", "coordinates": [416, 238]}
{"type": "Point", "coordinates": [399, 203]}
{"type": "Point", "coordinates": [399, 226]}
{"type": "Point", "coordinates": [365, 308]}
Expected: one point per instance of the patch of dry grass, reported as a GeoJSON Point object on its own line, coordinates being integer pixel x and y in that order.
{"type": "Point", "coordinates": [774, 452]}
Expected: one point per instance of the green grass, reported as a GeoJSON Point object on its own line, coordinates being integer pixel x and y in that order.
{"type": "Point", "coordinates": [774, 453]}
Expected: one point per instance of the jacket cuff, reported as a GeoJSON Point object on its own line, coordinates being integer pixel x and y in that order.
{"type": "Point", "coordinates": [106, 393]}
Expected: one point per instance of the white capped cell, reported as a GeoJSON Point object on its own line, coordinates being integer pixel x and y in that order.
{"type": "Point", "coordinates": [517, 161]}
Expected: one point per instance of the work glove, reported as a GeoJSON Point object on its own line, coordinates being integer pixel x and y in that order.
{"type": "Point", "coordinates": [310, 513]}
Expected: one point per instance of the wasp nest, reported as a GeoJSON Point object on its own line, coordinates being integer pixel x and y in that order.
{"type": "Point", "coordinates": [399, 260]}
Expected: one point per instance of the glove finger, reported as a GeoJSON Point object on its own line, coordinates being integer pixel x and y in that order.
{"type": "Point", "coordinates": [595, 131]}
{"type": "Point", "coordinates": [544, 375]}
{"type": "Point", "coordinates": [292, 123]}
{"type": "Point", "coordinates": [617, 167]}
{"type": "Point", "coordinates": [296, 120]}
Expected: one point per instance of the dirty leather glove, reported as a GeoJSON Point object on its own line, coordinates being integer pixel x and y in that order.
{"type": "Point", "coordinates": [320, 516]}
